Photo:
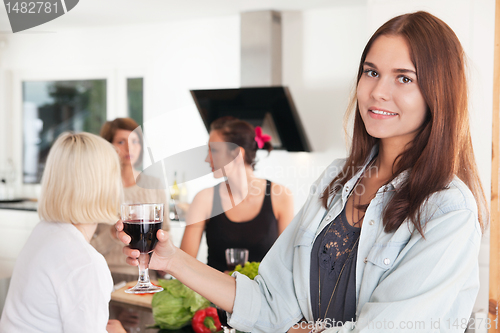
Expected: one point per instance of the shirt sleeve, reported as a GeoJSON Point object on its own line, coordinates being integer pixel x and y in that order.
{"type": "Point", "coordinates": [268, 303]}
{"type": "Point", "coordinates": [84, 299]}
{"type": "Point", "coordinates": [433, 287]}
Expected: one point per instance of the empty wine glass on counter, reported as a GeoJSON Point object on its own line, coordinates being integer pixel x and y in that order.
{"type": "Point", "coordinates": [141, 222]}
{"type": "Point", "coordinates": [235, 257]}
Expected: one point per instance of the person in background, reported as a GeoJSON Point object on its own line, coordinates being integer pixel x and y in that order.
{"type": "Point", "coordinates": [388, 237]}
{"type": "Point", "coordinates": [122, 134]}
{"type": "Point", "coordinates": [60, 283]}
{"type": "Point", "coordinates": [243, 211]}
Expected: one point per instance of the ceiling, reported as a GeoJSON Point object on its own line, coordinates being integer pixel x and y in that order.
{"type": "Point", "coordinates": [93, 13]}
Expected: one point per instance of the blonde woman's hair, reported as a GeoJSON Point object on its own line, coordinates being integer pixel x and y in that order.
{"type": "Point", "coordinates": [81, 182]}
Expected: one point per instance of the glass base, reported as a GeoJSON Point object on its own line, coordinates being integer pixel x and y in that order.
{"type": "Point", "coordinates": [143, 288]}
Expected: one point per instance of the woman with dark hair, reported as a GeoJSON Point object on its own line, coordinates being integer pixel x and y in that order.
{"type": "Point", "coordinates": [125, 135]}
{"type": "Point", "coordinates": [243, 211]}
{"type": "Point", "coordinates": [127, 140]}
{"type": "Point", "coordinates": [389, 238]}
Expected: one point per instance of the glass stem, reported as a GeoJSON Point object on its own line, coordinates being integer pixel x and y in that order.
{"type": "Point", "coordinates": [143, 267]}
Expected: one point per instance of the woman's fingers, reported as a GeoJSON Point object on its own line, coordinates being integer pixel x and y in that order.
{"type": "Point", "coordinates": [119, 225]}
{"type": "Point", "coordinates": [132, 256]}
{"type": "Point", "coordinates": [114, 326]}
{"type": "Point", "coordinates": [163, 252]}
{"type": "Point", "coordinates": [124, 238]}
{"type": "Point", "coordinates": [131, 253]}
{"type": "Point", "coordinates": [161, 235]}
{"type": "Point", "coordinates": [120, 234]}
{"type": "Point", "coordinates": [132, 261]}
{"type": "Point", "coordinates": [164, 248]}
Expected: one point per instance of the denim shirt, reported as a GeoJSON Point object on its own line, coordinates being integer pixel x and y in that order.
{"type": "Point", "coordinates": [404, 282]}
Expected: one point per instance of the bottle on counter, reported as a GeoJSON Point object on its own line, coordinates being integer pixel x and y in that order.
{"type": "Point", "coordinates": [182, 204]}
{"type": "Point", "coordinates": [174, 198]}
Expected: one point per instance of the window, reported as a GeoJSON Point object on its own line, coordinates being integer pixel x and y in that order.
{"type": "Point", "coordinates": [135, 88]}
{"type": "Point", "coordinates": [53, 107]}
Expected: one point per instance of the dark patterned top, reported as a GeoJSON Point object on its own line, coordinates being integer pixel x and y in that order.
{"type": "Point", "coordinates": [334, 251]}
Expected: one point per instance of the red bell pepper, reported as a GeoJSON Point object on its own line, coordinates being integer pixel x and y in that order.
{"type": "Point", "coordinates": [206, 321]}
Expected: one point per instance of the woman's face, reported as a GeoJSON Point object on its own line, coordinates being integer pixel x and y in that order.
{"type": "Point", "coordinates": [389, 98]}
{"type": "Point", "coordinates": [219, 156]}
{"type": "Point", "coordinates": [127, 145]}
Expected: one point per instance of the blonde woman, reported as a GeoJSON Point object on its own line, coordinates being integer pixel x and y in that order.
{"type": "Point", "coordinates": [60, 282]}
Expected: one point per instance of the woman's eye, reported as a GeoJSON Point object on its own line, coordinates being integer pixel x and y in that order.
{"type": "Point", "coordinates": [370, 72]}
{"type": "Point", "coordinates": [404, 79]}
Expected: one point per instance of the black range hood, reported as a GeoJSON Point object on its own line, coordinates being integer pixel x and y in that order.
{"type": "Point", "coordinates": [262, 99]}
{"type": "Point", "coordinates": [271, 108]}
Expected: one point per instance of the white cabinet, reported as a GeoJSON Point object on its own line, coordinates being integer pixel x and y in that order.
{"type": "Point", "coordinates": [15, 228]}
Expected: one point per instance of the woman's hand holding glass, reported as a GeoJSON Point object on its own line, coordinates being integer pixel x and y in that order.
{"type": "Point", "coordinates": [141, 223]}
{"type": "Point", "coordinates": [163, 252]}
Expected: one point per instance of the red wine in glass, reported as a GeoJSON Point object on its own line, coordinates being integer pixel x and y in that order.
{"type": "Point", "coordinates": [235, 257]}
{"type": "Point", "coordinates": [142, 233]}
{"type": "Point", "coordinates": [142, 222]}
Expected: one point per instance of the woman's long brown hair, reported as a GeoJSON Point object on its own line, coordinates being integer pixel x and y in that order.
{"type": "Point", "coordinates": [443, 147]}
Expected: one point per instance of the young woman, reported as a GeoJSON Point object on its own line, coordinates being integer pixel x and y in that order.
{"type": "Point", "coordinates": [60, 283]}
{"type": "Point", "coordinates": [122, 134]}
{"type": "Point", "coordinates": [243, 211]}
{"type": "Point", "coordinates": [389, 238]}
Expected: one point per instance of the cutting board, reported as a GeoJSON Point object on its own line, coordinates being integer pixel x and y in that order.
{"type": "Point", "coordinates": [141, 300]}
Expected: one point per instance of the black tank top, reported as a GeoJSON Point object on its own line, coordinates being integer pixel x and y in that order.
{"type": "Point", "coordinates": [256, 235]}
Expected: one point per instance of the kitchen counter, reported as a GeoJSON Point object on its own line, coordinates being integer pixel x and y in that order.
{"type": "Point", "coordinates": [26, 205]}
{"type": "Point", "coordinates": [132, 311]}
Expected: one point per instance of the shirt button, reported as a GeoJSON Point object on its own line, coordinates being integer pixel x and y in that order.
{"type": "Point", "coordinates": [366, 260]}
{"type": "Point", "coordinates": [387, 261]}
{"type": "Point", "coordinates": [372, 222]}
{"type": "Point", "coordinates": [328, 218]}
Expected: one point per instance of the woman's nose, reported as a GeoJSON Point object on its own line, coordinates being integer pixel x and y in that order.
{"type": "Point", "coordinates": [382, 90]}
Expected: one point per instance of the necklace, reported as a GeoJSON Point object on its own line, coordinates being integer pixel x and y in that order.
{"type": "Point", "coordinates": [336, 283]}
{"type": "Point", "coordinates": [351, 249]}
{"type": "Point", "coordinates": [340, 274]}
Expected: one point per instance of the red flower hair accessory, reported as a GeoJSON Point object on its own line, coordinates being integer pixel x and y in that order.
{"type": "Point", "coordinates": [261, 138]}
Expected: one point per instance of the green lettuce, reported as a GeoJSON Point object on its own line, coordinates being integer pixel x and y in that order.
{"type": "Point", "coordinates": [174, 307]}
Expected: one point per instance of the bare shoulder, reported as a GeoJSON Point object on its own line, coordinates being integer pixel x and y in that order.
{"type": "Point", "coordinates": [201, 206]}
{"type": "Point", "coordinates": [282, 202]}
{"type": "Point", "coordinates": [205, 194]}
{"type": "Point", "coordinates": [280, 191]}
{"type": "Point", "coordinates": [280, 194]}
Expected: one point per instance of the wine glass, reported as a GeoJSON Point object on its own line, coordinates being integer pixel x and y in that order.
{"type": "Point", "coordinates": [235, 257]}
{"type": "Point", "coordinates": [141, 222]}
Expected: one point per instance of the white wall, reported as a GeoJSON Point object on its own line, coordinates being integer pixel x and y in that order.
{"type": "Point", "coordinates": [321, 50]}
